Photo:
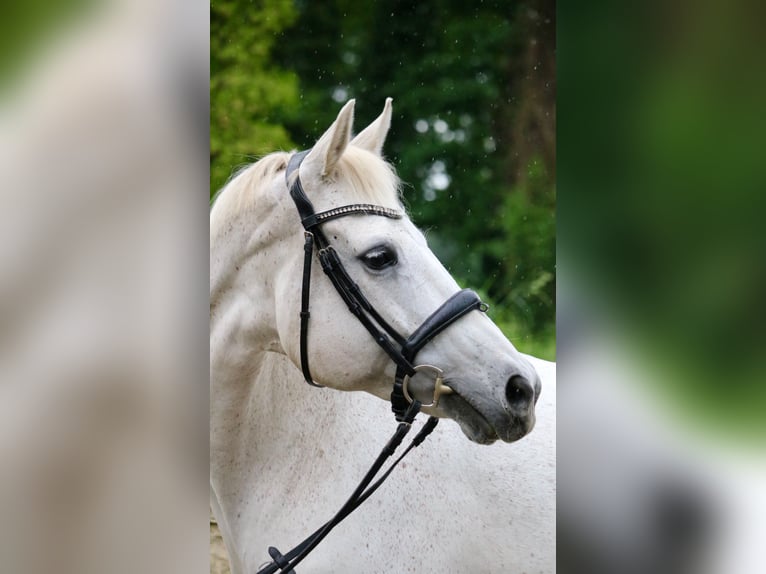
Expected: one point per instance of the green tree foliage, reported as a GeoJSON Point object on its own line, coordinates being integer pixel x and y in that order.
{"type": "Point", "coordinates": [248, 93]}
{"type": "Point", "coordinates": [472, 134]}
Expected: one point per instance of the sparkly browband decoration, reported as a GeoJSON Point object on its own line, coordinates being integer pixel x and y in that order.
{"type": "Point", "coordinates": [357, 208]}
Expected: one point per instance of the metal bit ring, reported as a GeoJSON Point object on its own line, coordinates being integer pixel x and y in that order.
{"type": "Point", "coordinates": [439, 387]}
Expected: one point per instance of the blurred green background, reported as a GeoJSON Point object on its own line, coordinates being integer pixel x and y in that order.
{"type": "Point", "coordinates": [473, 132]}
{"type": "Point", "coordinates": [27, 27]}
{"type": "Point", "coordinates": [661, 221]}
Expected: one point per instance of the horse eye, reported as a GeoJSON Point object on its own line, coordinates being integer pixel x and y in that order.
{"type": "Point", "coordinates": [379, 257]}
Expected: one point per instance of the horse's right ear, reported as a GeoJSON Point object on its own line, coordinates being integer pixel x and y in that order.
{"type": "Point", "coordinates": [330, 147]}
{"type": "Point", "coordinates": [373, 136]}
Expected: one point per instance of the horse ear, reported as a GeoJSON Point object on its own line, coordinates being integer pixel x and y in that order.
{"type": "Point", "coordinates": [330, 147]}
{"type": "Point", "coordinates": [372, 137]}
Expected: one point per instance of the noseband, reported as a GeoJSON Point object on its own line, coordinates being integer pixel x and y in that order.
{"type": "Point", "coordinates": [401, 350]}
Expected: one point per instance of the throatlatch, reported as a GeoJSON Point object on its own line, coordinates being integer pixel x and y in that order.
{"type": "Point", "coordinates": [401, 350]}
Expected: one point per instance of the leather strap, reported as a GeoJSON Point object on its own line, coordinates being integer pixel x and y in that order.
{"type": "Point", "coordinates": [286, 563]}
{"type": "Point", "coordinates": [301, 200]}
{"type": "Point", "coordinates": [353, 209]}
{"type": "Point", "coordinates": [281, 561]}
{"type": "Point", "coordinates": [451, 310]}
{"type": "Point", "coordinates": [355, 299]}
{"type": "Point", "coordinates": [308, 255]}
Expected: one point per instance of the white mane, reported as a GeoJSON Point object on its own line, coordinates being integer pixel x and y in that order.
{"type": "Point", "coordinates": [246, 185]}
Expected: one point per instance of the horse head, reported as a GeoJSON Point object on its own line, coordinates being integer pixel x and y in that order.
{"type": "Point", "coordinates": [258, 263]}
{"type": "Point", "coordinates": [491, 390]}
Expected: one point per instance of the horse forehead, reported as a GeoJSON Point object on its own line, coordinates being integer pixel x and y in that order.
{"type": "Point", "coordinates": [363, 231]}
{"type": "Point", "coordinates": [359, 177]}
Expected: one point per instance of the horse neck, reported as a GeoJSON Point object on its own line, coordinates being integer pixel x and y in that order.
{"type": "Point", "coordinates": [260, 408]}
{"type": "Point", "coordinates": [261, 418]}
{"type": "Point", "coordinates": [269, 433]}
{"type": "Point", "coordinates": [244, 241]}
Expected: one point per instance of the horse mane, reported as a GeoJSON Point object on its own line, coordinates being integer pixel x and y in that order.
{"type": "Point", "coordinates": [373, 180]}
{"type": "Point", "coordinates": [246, 183]}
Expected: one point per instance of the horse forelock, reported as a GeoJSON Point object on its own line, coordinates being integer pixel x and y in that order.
{"type": "Point", "coordinates": [371, 179]}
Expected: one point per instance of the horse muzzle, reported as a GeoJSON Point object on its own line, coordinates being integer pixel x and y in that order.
{"type": "Point", "coordinates": [507, 414]}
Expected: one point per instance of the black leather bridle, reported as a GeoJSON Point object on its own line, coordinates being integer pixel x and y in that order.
{"type": "Point", "coordinates": [384, 334]}
{"type": "Point", "coordinates": [401, 350]}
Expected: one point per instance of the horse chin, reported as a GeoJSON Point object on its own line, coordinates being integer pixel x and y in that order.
{"type": "Point", "coordinates": [478, 427]}
{"type": "Point", "coordinates": [480, 434]}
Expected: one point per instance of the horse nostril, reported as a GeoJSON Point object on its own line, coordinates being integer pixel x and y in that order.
{"type": "Point", "coordinates": [519, 392]}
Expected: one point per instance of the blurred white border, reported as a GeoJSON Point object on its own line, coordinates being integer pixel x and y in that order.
{"type": "Point", "coordinates": [103, 274]}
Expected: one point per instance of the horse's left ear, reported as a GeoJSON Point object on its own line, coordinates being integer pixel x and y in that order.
{"type": "Point", "coordinates": [373, 136]}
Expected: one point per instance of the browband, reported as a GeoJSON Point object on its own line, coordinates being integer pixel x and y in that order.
{"type": "Point", "coordinates": [353, 209]}
{"type": "Point", "coordinates": [309, 218]}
